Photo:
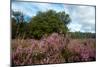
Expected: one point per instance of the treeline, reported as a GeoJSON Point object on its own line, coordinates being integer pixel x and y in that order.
{"type": "Point", "coordinates": [80, 35]}
{"type": "Point", "coordinates": [43, 24]}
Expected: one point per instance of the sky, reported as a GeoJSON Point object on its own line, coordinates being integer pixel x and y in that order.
{"type": "Point", "coordinates": [82, 16]}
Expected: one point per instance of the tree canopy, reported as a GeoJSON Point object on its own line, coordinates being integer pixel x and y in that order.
{"type": "Point", "coordinates": [42, 23]}
{"type": "Point", "coordinates": [48, 22]}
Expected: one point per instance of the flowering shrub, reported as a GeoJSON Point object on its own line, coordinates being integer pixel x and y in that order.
{"type": "Point", "coordinates": [84, 49]}
{"type": "Point", "coordinates": [52, 49]}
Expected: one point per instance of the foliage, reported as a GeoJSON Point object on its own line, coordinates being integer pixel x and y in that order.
{"type": "Point", "coordinates": [51, 49]}
{"type": "Point", "coordinates": [64, 17]}
{"type": "Point", "coordinates": [48, 22]}
{"type": "Point", "coordinates": [14, 27]}
{"type": "Point", "coordinates": [38, 51]}
{"type": "Point", "coordinates": [82, 35]}
{"type": "Point", "coordinates": [19, 26]}
{"type": "Point", "coordinates": [43, 23]}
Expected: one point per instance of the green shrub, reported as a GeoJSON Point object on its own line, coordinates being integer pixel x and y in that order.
{"type": "Point", "coordinates": [69, 56]}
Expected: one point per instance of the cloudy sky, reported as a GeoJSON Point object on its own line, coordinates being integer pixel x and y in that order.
{"type": "Point", "coordinates": [83, 17]}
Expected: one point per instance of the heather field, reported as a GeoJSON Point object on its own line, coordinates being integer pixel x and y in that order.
{"type": "Point", "coordinates": [52, 49]}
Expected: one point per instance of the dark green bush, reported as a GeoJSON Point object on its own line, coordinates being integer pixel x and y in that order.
{"type": "Point", "coordinates": [70, 56]}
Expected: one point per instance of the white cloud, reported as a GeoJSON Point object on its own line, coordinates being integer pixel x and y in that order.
{"type": "Point", "coordinates": [84, 16]}
{"type": "Point", "coordinates": [74, 27]}
{"type": "Point", "coordinates": [24, 7]}
{"type": "Point", "coordinates": [31, 8]}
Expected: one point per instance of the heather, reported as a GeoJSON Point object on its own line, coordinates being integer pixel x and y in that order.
{"type": "Point", "coordinates": [52, 49]}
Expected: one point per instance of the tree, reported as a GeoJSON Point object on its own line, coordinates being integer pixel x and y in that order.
{"type": "Point", "coordinates": [18, 16]}
{"type": "Point", "coordinates": [64, 17]}
{"type": "Point", "coordinates": [48, 22]}
{"type": "Point", "coordinates": [19, 26]}
{"type": "Point", "coordinates": [14, 27]}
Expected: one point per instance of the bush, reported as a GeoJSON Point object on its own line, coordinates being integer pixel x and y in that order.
{"type": "Point", "coordinates": [70, 56]}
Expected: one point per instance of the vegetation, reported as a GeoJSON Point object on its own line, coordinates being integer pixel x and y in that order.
{"type": "Point", "coordinates": [82, 35]}
{"type": "Point", "coordinates": [43, 23]}
{"type": "Point", "coordinates": [44, 40]}
{"type": "Point", "coordinates": [53, 49]}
